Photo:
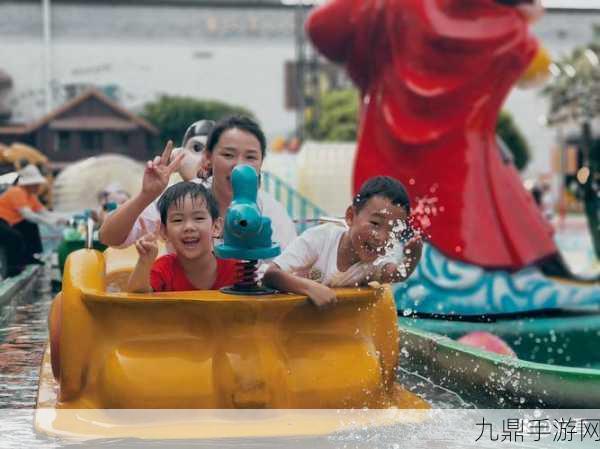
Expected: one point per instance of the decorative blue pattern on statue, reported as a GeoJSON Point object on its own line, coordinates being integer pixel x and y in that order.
{"type": "Point", "coordinates": [247, 234]}
{"type": "Point", "coordinates": [443, 286]}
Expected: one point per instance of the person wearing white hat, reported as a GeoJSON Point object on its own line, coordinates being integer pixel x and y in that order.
{"type": "Point", "coordinates": [20, 214]}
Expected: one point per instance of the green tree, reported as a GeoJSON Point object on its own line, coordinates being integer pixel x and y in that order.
{"type": "Point", "coordinates": [575, 99]}
{"type": "Point", "coordinates": [338, 116]}
{"type": "Point", "coordinates": [337, 121]}
{"type": "Point", "coordinates": [173, 114]}
{"type": "Point", "coordinates": [514, 139]}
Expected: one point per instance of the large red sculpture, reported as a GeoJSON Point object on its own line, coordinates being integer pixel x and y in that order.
{"type": "Point", "coordinates": [433, 75]}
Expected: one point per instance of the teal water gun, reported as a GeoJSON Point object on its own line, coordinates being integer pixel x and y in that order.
{"type": "Point", "coordinates": [247, 235]}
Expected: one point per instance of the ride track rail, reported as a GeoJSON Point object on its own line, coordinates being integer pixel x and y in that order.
{"type": "Point", "coordinates": [18, 286]}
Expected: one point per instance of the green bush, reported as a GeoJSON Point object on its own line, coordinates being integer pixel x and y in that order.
{"type": "Point", "coordinates": [338, 116]}
{"type": "Point", "coordinates": [172, 114]}
{"type": "Point", "coordinates": [514, 139]}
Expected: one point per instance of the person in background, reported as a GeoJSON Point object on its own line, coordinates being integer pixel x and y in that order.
{"type": "Point", "coordinates": [21, 213]}
{"type": "Point", "coordinates": [111, 197]}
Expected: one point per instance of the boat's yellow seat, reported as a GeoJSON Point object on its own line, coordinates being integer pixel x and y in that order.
{"type": "Point", "coordinates": [206, 349]}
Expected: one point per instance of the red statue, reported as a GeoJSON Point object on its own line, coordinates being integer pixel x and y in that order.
{"type": "Point", "coordinates": [433, 75]}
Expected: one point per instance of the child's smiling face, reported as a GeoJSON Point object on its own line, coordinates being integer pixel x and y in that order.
{"type": "Point", "coordinates": [190, 228]}
{"type": "Point", "coordinates": [374, 226]}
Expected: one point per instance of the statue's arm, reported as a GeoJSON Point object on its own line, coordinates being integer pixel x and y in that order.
{"type": "Point", "coordinates": [348, 32]}
{"type": "Point", "coordinates": [331, 29]}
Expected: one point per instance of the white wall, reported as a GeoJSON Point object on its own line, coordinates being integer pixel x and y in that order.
{"type": "Point", "coordinates": [232, 56]}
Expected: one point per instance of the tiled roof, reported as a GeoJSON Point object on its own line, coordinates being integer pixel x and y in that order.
{"type": "Point", "coordinates": [92, 123]}
{"type": "Point", "coordinates": [84, 121]}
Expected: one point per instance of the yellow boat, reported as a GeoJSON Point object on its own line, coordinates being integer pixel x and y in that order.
{"type": "Point", "coordinates": [121, 360]}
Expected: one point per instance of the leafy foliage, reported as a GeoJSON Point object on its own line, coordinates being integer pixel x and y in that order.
{"type": "Point", "coordinates": [575, 99]}
{"type": "Point", "coordinates": [514, 139]}
{"type": "Point", "coordinates": [573, 92]}
{"type": "Point", "coordinates": [338, 116]}
{"type": "Point", "coordinates": [173, 114]}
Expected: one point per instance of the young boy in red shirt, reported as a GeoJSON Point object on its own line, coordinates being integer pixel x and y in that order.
{"type": "Point", "coordinates": [189, 222]}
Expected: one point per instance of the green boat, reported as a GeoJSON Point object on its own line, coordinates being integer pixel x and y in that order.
{"type": "Point", "coordinates": [73, 238]}
{"type": "Point", "coordinates": [16, 287]}
{"type": "Point", "coordinates": [72, 241]}
{"type": "Point", "coordinates": [558, 362]}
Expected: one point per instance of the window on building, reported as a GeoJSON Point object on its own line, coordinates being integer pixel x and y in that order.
{"type": "Point", "coordinates": [122, 140]}
{"type": "Point", "coordinates": [62, 141]}
{"type": "Point", "coordinates": [91, 141]}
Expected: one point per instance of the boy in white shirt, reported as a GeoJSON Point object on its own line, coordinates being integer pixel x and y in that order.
{"type": "Point", "coordinates": [332, 256]}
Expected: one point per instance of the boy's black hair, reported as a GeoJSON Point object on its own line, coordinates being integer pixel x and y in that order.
{"type": "Point", "coordinates": [176, 195]}
{"type": "Point", "coordinates": [384, 186]}
{"type": "Point", "coordinates": [236, 122]}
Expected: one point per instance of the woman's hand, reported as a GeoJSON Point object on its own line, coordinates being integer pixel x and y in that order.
{"type": "Point", "coordinates": [158, 171]}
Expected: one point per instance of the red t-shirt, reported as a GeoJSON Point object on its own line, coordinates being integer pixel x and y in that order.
{"type": "Point", "coordinates": [167, 275]}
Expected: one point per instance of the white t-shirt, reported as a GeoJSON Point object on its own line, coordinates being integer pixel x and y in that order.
{"type": "Point", "coordinates": [283, 227]}
{"type": "Point", "coordinates": [314, 255]}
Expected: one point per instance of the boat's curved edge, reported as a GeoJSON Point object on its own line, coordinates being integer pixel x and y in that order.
{"type": "Point", "coordinates": [169, 424]}
{"type": "Point", "coordinates": [502, 380]}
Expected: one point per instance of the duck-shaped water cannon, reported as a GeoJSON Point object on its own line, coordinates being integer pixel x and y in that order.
{"type": "Point", "coordinates": [247, 233]}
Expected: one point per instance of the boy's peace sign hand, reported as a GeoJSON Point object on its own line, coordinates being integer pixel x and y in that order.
{"type": "Point", "coordinates": [147, 245]}
{"type": "Point", "coordinates": [159, 170]}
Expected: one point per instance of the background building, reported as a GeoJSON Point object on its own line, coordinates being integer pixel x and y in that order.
{"type": "Point", "coordinates": [231, 50]}
{"type": "Point", "coordinates": [90, 124]}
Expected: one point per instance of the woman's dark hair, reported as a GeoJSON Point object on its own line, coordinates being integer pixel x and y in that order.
{"type": "Point", "coordinates": [176, 195]}
{"type": "Point", "coordinates": [236, 122]}
{"type": "Point", "coordinates": [384, 186]}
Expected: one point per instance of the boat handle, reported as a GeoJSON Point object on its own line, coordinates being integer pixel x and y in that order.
{"type": "Point", "coordinates": [89, 233]}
